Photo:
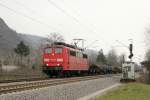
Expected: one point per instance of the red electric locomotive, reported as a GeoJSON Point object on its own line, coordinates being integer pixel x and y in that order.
{"type": "Point", "coordinates": [63, 59]}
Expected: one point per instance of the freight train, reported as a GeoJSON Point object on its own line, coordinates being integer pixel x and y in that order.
{"type": "Point", "coordinates": [61, 59]}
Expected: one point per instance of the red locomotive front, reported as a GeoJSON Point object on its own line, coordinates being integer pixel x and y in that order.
{"type": "Point", "coordinates": [54, 59]}
{"type": "Point", "coordinates": [62, 59]}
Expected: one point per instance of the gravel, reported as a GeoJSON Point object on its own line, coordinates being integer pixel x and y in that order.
{"type": "Point", "coordinates": [70, 91]}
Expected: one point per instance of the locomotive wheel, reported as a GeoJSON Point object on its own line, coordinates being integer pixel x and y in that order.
{"type": "Point", "coordinates": [65, 73]}
{"type": "Point", "coordinates": [73, 74]}
{"type": "Point", "coordinates": [47, 73]}
{"type": "Point", "coordinates": [68, 74]}
{"type": "Point", "coordinates": [59, 75]}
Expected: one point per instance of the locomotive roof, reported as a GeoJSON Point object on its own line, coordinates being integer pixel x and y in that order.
{"type": "Point", "coordinates": [64, 44]}
{"type": "Point", "coordinates": [67, 45]}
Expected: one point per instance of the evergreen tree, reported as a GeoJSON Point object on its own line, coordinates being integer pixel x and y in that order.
{"type": "Point", "coordinates": [22, 50]}
{"type": "Point", "coordinates": [101, 57]}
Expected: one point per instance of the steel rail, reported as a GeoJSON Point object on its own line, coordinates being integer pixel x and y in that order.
{"type": "Point", "coordinates": [9, 88]}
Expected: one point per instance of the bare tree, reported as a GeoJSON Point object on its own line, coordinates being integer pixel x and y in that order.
{"type": "Point", "coordinates": [112, 58]}
{"type": "Point", "coordinates": [92, 56]}
{"type": "Point", "coordinates": [55, 37]}
{"type": "Point", "coordinates": [11, 58]}
{"type": "Point", "coordinates": [146, 63]}
{"type": "Point", "coordinates": [121, 59]}
{"type": "Point", "coordinates": [147, 55]}
{"type": "Point", "coordinates": [147, 39]}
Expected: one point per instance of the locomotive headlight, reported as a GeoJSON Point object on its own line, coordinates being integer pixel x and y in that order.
{"type": "Point", "coordinates": [46, 60]}
{"type": "Point", "coordinates": [59, 60]}
{"type": "Point", "coordinates": [46, 64]}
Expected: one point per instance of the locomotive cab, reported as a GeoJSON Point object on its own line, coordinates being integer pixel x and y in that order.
{"type": "Point", "coordinates": [53, 59]}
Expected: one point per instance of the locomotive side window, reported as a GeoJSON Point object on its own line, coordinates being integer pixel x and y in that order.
{"type": "Point", "coordinates": [58, 50]}
{"type": "Point", "coordinates": [48, 50]}
{"type": "Point", "coordinates": [72, 53]}
{"type": "Point", "coordinates": [85, 56]}
{"type": "Point", "coordinates": [79, 54]}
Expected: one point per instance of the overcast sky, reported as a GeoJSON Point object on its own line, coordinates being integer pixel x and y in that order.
{"type": "Point", "coordinates": [103, 20]}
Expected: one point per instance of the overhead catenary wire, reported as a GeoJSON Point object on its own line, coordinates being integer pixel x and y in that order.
{"type": "Point", "coordinates": [22, 5]}
{"type": "Point", "coordinates": [74, 18]}
{"type": "Point", "coordinates": [135, 56]}
{"type": "Point", "coordinates": [122, 44]}
{"type": "Point", "coordinates": [31, 10]}
{"type": "Point", "coordinates": [69, 15]}
{"type": "Point", "coordinates": [26, 16]}
{"type": "Point", "coordinates": [62, 10]}
{"type": "Point", "coordinates": [40, 22]}
{"type": "Point", "coordinates": [76, 12]}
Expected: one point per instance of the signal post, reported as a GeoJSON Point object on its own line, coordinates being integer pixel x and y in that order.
{"type": "Point", "coordinates": [128, 68]}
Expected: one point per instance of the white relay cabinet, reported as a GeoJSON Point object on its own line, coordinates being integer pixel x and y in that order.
{"type": "Point", "coordinates": [128, 72]}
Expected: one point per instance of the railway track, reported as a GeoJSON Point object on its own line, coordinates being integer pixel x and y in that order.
{"type": "Point", "coordinates": [21, 86]}
{"type": "Point", "coordinates": [9, 78]}
{"type": "Point", "coordinates": [23, 79]}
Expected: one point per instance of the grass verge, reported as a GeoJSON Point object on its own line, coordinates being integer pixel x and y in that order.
{"type": "Point", "coordinates": [131, 91]}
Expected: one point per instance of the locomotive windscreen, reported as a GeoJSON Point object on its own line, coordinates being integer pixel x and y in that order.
{"type": "Point", "coordinates": [48, 50]}
{"type": "Point", "coordinates": [58, 50]}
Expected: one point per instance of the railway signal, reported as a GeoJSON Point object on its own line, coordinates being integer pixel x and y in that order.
{"type": "Point", "coordinates": [130, 49]}
{"type": "Point", "coordinates": [128, 72]}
